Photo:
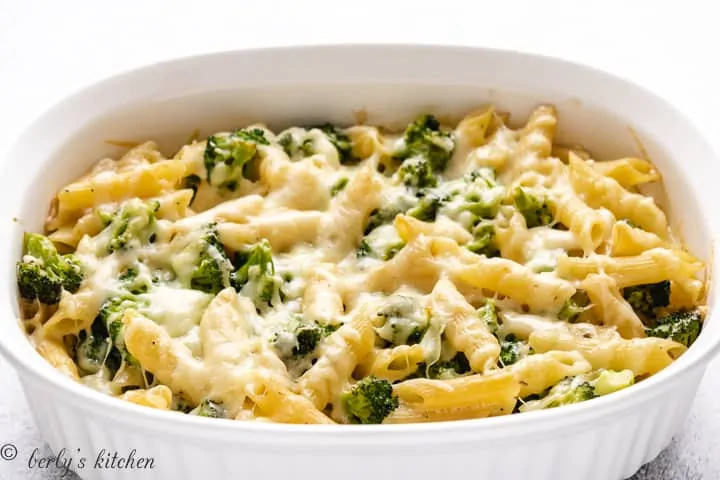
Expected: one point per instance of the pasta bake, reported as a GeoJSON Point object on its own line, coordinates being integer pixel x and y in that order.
{"type": "Point", "coordinates": [356, 275]}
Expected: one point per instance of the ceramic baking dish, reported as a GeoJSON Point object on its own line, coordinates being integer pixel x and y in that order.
{"type": "Point", "coordinates": [607, 438]}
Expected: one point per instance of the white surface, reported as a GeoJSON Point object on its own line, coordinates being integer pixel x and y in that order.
{"type": "Point", "coordinates": [48, 49]}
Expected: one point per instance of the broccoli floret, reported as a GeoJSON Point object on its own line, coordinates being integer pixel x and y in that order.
{"type": "Point", "coordinates": [565, 392]}
{"type": "Point", "coordinates": [425, 140]}
{"type": "Point", "coordinates": [609, 381]}
{"type": "Point", "coordinates": [488, 314]}
{"type": "Point", "coordinates": [309, 336]}
{"type": "Point", "coordinates": [209, 408]}
{"type": "Point", "coordinates": [299, 338]}
{"type": "Point", "coordinates": [427, 206]}
{"type": "Point", "coordinates": [307, 339]}
{"type": "Point", "coordinates": [386, 214]}
{"type": "Point", "coordinates": [416, 335]}
{"type": "Point", "coordinates": [226, 156]}
{"type": "Point", "coordinates": [403, 321]}
{"type": "Point", "coordinates": [34, 281]}
{"type": "Point", "coordinates": [193, 182]}
{"type": "Point", "coordinates": [574, 306]}
{"type": "Point", "coordinates": [392, 250]}
{"type": "Point", "coordinates": [133, 282]}
{"type": "Point", "coordinates": [512, 350]}
{"type": "Point", "coordinates": [133, 225]}
{"type": "Point", "coordinates": [447, 369]}
{"type": "Point", "coordinates": [255, 276]}
{"type": "Point", "coordinates": [380, 216]}
{"type": "Point", "coordinates": [481, 194]}
{"type": "Point", "coordinates": [180, 404]}
{"type": "Point", "coordinates": [369, 401]}
{"type": "Point", "coordinates": [129, 274]}
{"type": "Point", "coordinates": [214, 266]}
{"type": "Point", "coordinates": [339, 186]}
{"type": "Point", "coordinates": [473, 199]}
{"type": "Point", "coordinates": [201, 262]}
{"type": "Point", "coordinates": [92, 350]}
{"type": "Point", "coordinates": [480, 206]}
{"type": "Point", "coordinates": [43, 272]}
{"type": "Point", "coordinates": [379, 249]}
{"type": "Point", "coordinates": [340, 141]}
{"type": "Point", "coordinates": [364, 249]}
{"type": "Point", "coordinates": [484, 240]}
{"type": "Point", "coordinates": [417, 172]}
{"type": "Point", "coordinates": [536, 211]}
{"type": "Point", "coordinates": [294, 146]}
{"type": "Point", "coordinates": [288, 143]}
{"type": "Point", "coordinates": [110, 315]}
{"type": "Point", "coordinates": [644, 299]}
{"type": "Point", "coordinates": [104, 344]}
{"type": "Point", "coordinates": [682, 326]}
{"type": "Point", "coordinates": [483, 175]}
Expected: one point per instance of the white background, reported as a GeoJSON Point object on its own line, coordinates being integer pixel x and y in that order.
{"type": "Point", "coordinates": [49, 49]}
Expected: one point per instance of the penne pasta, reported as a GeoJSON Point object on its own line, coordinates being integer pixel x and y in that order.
{"type": "Point", "coordinates": [374, 274]}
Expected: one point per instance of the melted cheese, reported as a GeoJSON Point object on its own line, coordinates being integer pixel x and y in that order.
{"type": "Point", "coordinates": [321, 233]}
{"type": "Point", "coordinates": [177, 309]}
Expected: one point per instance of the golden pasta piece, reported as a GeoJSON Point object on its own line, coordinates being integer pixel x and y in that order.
{"type": "Point", "coordinates": [159, 397]}
{"type": "Point", "coordinates": [139, 154]}
{"type": "Point", "coordinates": [278, 404]}
{"type": "Point", "coordinates": [148, 181]}
{"type": "Point", "coordinates": [405, 414]}
{"type": "Point", "coordinates": [301, 187]}
{"type": "Point", "coordinates": [322, 299]}
{"type": "Point", "coordinates": [626, 241]}
{"type": "Point", "coordinates": [465, 330]}
{"type": "Point", "coordinates": [170, 362]}
{"type": "Point", "coordinates": [590, 226]}
{"type": "Point", "coordinates": [225, 328]}
{"type": "Point", "coordinates": [410, 228]}
{"type": "Point", "coordinates": [74, 313]}
{"type": "Point", "coordinates": [343, 225]}
{"type": "Point", "coordinates": [495, 392]}
{"type": "Point", "coordinates": [395, 363]}
{"type": "Point", "coordinates": [56, 355]}
{"type": "Point", "coordinates": [512, 235]}
{"type": "Point", "coordinates": [536, 373]}
{"type": "Point", "coordinates": [283, 230]}
{"type": "Point", "coordinates": [538, 133]}
{"type": "Point", "coordinates": [605, 348]}
{"type": "Point", "coordinates": [368, 142]}
{"type": "Point", "coordinates": [541, 293]}
{"type": "Point", "coordinates": [473, 128]}
{"type": "Point", "coordinates": [611, 307]}
{"type": "Point", "coordinates": [629, 171]}
{"type": "Point", "coordinates": [601, 191]}
{"type": "Point", "coordinates": [240, 211]}
{"type": "Point", "coordinates": [339, 354]}
{"type": "Point", "coordinates": [173, 206]}
{"type": "Point", "coordinates": [651, 266]}
{"type": "Point", "coordinates": [563, 152]}
{"type": "Point", "coordinates": [416, 264]}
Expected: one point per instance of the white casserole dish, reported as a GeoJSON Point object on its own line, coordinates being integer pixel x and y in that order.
{"type": "Point", "coordinates": [607, 438]}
